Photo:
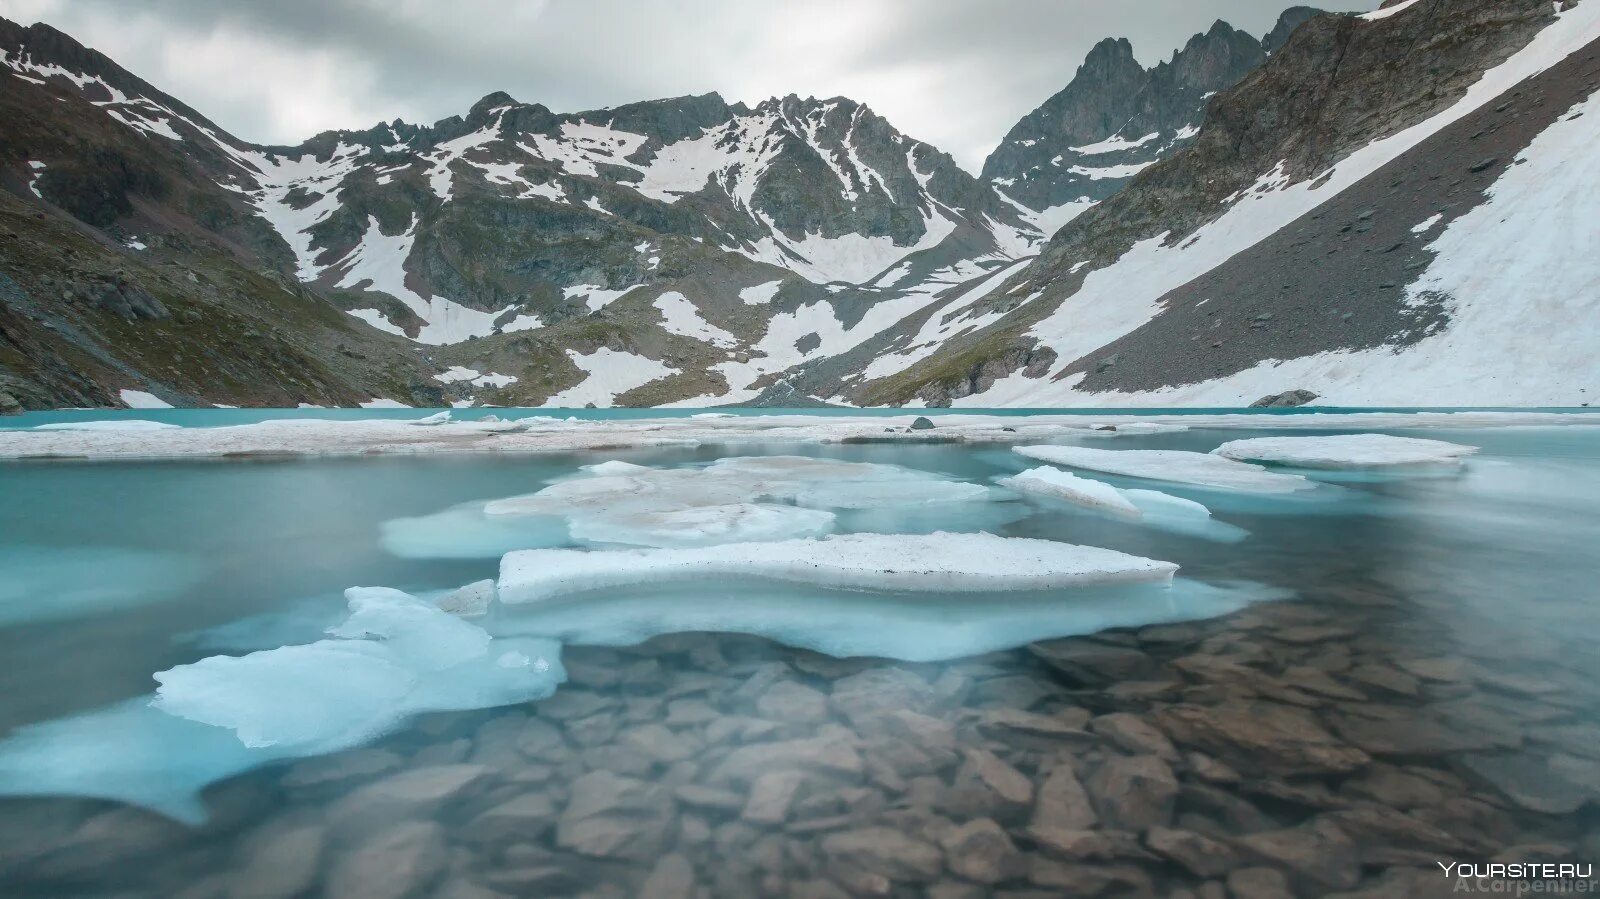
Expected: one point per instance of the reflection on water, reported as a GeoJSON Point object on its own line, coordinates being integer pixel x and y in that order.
{"type": "Point", "coordinates": [1420, 687]}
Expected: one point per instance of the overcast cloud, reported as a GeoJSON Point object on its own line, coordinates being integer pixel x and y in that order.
{"type": "Point", "coordinates": [955, 73]}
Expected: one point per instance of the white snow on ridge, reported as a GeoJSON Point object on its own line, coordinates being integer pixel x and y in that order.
{"type": "Point", "coordinates": [924, 563]}
{"type": "Point", "coordinates": [1114, 144]}
{"type": "Point", "coordinates": [1481, 357]}
{"type": "Point", "coordinates": [379, 263]}
{"type": "Point", "coordinates": [1126, 170]}
{"type": "Point", "coordinates": [139, 399]}
{"type": "Point", "coordinates": [760, 294]}
{"type": "Point", "coordinates": [595, 296]}
{"type": "Point", "coordinates": [680, 316]}
{"type": "Point", "coordinates": [1388, 11]}
{"type": "Point", "coordinates": [33, 181]}
{"type": "Point", "coordinates": [1177, 466]}
{"type": "Point", "coordinates": [1346, 451]}
{"type": "Point", "coordinates": [280, 176]}
{"type": "Point", "coordinates": [851, 258]}
{"type": "Point", "coordinates": [1426, 225]}
{"type": "Point", "coordinates": [945, 323]}
{"type": "Point", "coordinates": [609, 374]}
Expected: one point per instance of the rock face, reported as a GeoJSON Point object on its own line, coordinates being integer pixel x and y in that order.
{"type": "Point", "coordinates": [1340, 268]}
{"type": "Point", "coordinates": [1116, 117]}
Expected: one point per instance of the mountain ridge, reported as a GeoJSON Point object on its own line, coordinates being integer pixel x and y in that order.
{"type": "Point", "coordinates": [687, 250]}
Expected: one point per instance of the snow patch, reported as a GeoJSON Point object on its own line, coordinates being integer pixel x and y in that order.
{"type": "Point", "coordinates": [139, 399]}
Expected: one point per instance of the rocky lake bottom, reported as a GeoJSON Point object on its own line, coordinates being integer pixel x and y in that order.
{"type": "Point", "coordinates": [1422, 690]}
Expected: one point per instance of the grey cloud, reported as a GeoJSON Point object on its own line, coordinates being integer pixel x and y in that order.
{"type": "Point", "coordinates": [956, 73]}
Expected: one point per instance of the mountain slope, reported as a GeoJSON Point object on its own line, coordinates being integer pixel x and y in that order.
{"type": "Point", "coordinates": [1330, 229]}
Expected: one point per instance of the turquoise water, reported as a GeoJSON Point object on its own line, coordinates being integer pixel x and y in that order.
{"type": "Point", "coordinates": [111, 572]}
{"type": "Point", "coordinates": [206, 418]}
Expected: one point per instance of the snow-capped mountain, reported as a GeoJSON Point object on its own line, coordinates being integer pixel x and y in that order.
{"type": "Point", "coordinates": [1333, 228]}
{"type": "Point", "coordinates": [1223, 214]}
{"type": "Point", "coordinates": [1117, 118]}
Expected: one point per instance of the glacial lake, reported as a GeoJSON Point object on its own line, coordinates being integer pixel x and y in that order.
{"type": "Point", "coordinates": [1342, 683]}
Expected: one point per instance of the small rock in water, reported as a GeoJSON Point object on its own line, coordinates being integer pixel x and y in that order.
{"type": "Point", "coordinates": [397, 863]}
{"type": "Point", "coordinates": [1287, 399]}
{"type": "Point", "coordinates": [980, 850]}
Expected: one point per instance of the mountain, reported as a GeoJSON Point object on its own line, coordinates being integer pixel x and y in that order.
{"type": "Point", "coordinates": [1117, 118]}
{"type": "Point", "coordinates": [1325, 208]}
{"type": "Point", "coordinates": [675, 250]}
{"type": "Point", "coordinates": [1391, 211]}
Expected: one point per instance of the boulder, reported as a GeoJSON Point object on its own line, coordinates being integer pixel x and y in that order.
{"type": "Point", "coordinates": [771, 794]}
{"type": "Point", "coordinates": [616, 817]}
{"type": "Point", "coordinates": [793, 703]}
{"type": "Point", "coordinates": [1062, 803]}
{"type": "Point", "coordinates": [885, 852]}
{"type": "Point", "coordinates": [398, 863]}
{"type": "Point", "coordinates": [279, 864]}
{"type": "Point", "coordinates": [1134, 734]}
{"type": "Point", "coordinates": [671, 878]}
{"type": "Point", "coordinates": [1317, 854]}
{"type": "Point", "coordinates": [1202, 856]}
{"type": "Point", "coordinates": [829, 754]}
{"type": "Point", "coordinates": [1134, 792]}
{"type": "Point", "coordinates": [981, 851]}
{"type": "Point", "coordinates": [1257, 735]}
{"type": "Point", "coordinates": [1284, 400]}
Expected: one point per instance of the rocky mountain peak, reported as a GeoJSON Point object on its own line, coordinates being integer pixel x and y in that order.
{"type": "Point", "coordinates": [1116, 117]}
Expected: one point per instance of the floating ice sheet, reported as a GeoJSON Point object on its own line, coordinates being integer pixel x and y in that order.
{"type": "Point", "coordinates": [909, 627]}
{"type": "Point", "coordinates": [893, 562]}
{"type": "Point", "coordinates": [465, 532]}
{"type": "Point", "coordinates": [1179, 466]}
{"type": "Point", "coordinates": [118, 424]}
{"type": "Point", "coordinates": [1346, 451]}
{"type": "Point", "coordinates": [703, 525]}
{"type": "Point", "coordinates": [732, 500]}
{"type": "Point", "coordinates": [394, 656]}
{"type": "Point", "coordinates": [1058, 484]}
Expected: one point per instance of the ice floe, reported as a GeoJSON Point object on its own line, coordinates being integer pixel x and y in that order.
{"type": "Point", "coordinates": [1058, 484]}
{"type": "Point", "coordinates": [1346, 451]}
{"type": "Point", "coordinates": [912, 627]}
{"type": "Point", "coordinates": [115, 424]}
{"type": "Point", "coordinates": [940, 563]}
{"type": "Point", "coordinates": [1178, 466]}
{"type": "Point", "coordinates": [733, 500]}
{"type": "Point", "coordinates": [801, 480]}
{"type": "Point", "coordinates": [465, 532]}
{"type": "Point", "coordinates": [395, 656]}
{"type": "Point", "coordinates": [374, 436]}
{"type": "Point", "coordinates": [702, 525]}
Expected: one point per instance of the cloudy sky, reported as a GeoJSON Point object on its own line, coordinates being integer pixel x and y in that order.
{"type": "Point", "coordinates": [955, 73]}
